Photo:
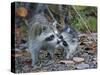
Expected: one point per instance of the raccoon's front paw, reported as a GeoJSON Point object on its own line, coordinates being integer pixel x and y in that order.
{"type": "Point", "coordinates": [69, 56]}
{"type": "Point", "coordinates": [33, 64]}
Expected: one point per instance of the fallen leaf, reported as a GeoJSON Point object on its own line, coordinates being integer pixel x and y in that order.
{"type": "Point", "coordinates": [28, 62]}
{"type": "Point", "coordinates": [22, 11]}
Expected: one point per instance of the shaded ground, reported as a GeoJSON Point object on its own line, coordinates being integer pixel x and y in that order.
{"type": "Point", "coordinates": [85, 58]}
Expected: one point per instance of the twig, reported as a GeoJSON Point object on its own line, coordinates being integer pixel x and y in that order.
{"type": "Point", "coordinates": [85, 24]}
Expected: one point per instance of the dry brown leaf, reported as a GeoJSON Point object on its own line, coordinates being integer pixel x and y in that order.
{"type": "Point", "coordinates": [28, 62]}
{"type": "Point", "coordinates": [22, 11]}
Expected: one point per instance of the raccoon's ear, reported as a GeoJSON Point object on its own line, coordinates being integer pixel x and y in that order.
{"type": "Point", "coordinates": [66, 20]}
{"type": "Point", "coordinates": [44, 28]}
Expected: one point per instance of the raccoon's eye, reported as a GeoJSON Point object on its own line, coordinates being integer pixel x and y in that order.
{"type": "Point", "coordinates": [65, 43]}
{"type": "Point", "coordinates": [61, 37]}
{"type": "Point", "coordinates": [50, 38]}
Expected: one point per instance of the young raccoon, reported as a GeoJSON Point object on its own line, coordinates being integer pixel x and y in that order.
{"type": "Point", "coordinates": [42, 33]}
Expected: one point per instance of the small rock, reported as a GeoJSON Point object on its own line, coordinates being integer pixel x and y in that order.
{"type": "Point", "coordinates": [95, 59]}
{"type": "Point", "coordinates": [94, 62]}
{"type": "Point", "coordinates": [67, 61]}
{"type": "Point", "coordinates": [82, 66]}
{"type": "Point", "coordinates": [18, 55]}
{"type": "Point", "coordinates": [16, 49]}
{"type": "Point", "coordinates": [78, 59]}
{"type": "Point", "coordinates": [88, 58]}
{"type": "Point", "coordinates": [91, 52]}
{"type": "Point", "coordinates": [84, 54]}
{"type": "Point", "coordinates": [26, 68]}
{"type": "Point", "coordinates": [27, 50]}
{"type": "Point", "coordinates": [23, 46]}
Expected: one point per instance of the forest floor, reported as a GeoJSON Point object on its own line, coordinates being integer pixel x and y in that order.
{"type": "Point", "coordinates": [85, 58]}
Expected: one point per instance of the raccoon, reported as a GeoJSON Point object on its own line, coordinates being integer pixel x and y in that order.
{"type": "Point", "coordinates": [45, 34]}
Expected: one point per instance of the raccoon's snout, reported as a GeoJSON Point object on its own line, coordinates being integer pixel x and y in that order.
{"type": "Point", "coordinates": [63, 42]}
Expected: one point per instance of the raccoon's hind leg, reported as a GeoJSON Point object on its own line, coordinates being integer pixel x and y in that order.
{"type": "Point", "coordinates": [34, 56]}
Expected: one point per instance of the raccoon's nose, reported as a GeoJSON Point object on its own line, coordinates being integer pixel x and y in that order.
{"type": "Point", "coordinates": [58, 41]}
{"type": "Point", "coordinates": [61, 37]}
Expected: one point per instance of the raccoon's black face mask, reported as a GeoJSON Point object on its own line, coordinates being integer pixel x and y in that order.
{"type": "Point", "coordinates": [59, 40]}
